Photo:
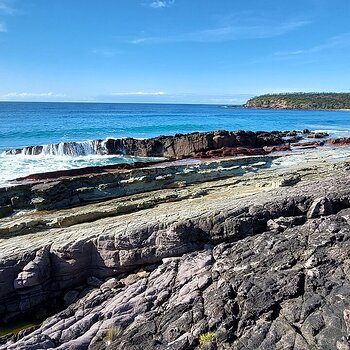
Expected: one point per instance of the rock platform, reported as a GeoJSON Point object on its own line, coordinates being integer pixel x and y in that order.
{"type": "Point", "coordinates": [257, 258]}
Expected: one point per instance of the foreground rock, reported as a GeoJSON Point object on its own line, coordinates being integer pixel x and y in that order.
{"type": "Point", "coordinates": [280, 290]}
{"type": "Point", "coordinates": [259, 262]}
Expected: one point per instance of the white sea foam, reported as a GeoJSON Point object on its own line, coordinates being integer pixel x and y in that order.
{"type": "Point", "coordinates": [330, 131]}
{"type": "Point", "coordinates": [29, 160]}
{"type": "Point", "coordinates": [73, 155]}
{"type": "Point", "coordinates": [73, 149]}
{"type": "Point", "coordinates": [20, 165]}
{"type": "Point", "coordinates": [311, 155]}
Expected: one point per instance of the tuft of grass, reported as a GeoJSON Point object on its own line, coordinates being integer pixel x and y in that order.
{"type": "Point", "coordinates": [206, 338]}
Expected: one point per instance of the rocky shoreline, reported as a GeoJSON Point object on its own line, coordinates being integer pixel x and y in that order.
{"type": "Point", "coordinates": [171, 147]}
{"type": "Point", "coordinates": [225, 252]}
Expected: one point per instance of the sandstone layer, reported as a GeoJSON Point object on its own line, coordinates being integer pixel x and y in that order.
{"type": "Point", "coordinates": [65, 192]}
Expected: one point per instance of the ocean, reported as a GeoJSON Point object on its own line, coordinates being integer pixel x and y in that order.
{"type": "Point", "coordinates": [29, 124]}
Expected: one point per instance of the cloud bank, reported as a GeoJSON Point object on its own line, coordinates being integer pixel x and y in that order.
{"type": "Point", "coordinates": [32, 95]}
{"type": "Point", "coordinates": [138, 93]}
{"type": "Point", "coordinates": [228, 33]}
{"type": "Point", "coordinates": [339, 41]}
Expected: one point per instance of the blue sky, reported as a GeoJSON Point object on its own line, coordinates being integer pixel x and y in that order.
{"type": "Point", "coordinates": [171, 51]}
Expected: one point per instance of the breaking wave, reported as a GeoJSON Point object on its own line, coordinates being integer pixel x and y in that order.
{"type": "Point", "coordinates": [71, 149]}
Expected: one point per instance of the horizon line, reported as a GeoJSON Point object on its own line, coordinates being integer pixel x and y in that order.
{"type": "Point", "coordinates": [109, 102]}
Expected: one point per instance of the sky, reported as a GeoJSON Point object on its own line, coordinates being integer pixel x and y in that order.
{"type": "Point", "coordinates": [171, 51]}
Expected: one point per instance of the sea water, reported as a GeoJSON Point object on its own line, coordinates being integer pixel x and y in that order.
{"type": "Point", "coordinates": [29, 124]}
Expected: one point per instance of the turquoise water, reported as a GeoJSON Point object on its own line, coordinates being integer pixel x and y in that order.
{"type": "Point", "coordinates": [27, 124]}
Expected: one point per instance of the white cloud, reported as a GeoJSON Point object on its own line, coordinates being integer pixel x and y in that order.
{"type": "Point", "coordinates": [5, 7]}
{"type": "Point", "coordinates": [156, 4]}
{"type": "Point", "coordinates": [104, 52]}
{"type": "Point", "coordinates": [289, 53]}
{"type": "Point", "coordinates": [3, 28]}
{"type": "Point", "coordinates": [334, 42]}
{"type": "Point", "coordinates": [229, 33]}
{"type": "Point", "coordinates": [178, 97]}
{"type": "Point", "coordinates": [31, 95]}
{"type": "Point", "coordinates": [139, 93]}
{"type": "Point", "coordinates": [140, 40]}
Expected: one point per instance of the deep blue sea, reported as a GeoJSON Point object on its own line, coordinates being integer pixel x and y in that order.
{"type": "Point", "coordinates": [26, 124]}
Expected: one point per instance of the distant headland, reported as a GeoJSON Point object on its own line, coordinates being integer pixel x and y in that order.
{"type": "Point", "coordinates": [300, 100]}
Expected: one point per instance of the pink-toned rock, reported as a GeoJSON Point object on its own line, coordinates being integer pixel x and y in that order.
{"type": "Point", "coordinates": [311, 144]}
{"type": "Point", "coordinates": [230, 152]}
{"type": "Point", "coordinates": [343, 141]}
{"type": "Point", "coordinates": [283, 148]}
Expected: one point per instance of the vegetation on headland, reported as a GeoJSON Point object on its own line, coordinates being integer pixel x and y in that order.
{"type": "Point", "coordinates": [301, 101]}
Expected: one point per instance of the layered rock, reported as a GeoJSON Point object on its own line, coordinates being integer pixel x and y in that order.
{"type": "Point", "coordinates": [279, 290]}
{"type": "Point", "coordinates": [258, 267]}
{"type": "Point", "coordinates": [66, 192]}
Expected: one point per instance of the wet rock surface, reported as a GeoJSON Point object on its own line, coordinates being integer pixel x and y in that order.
{"type": "Point", "coordinates": [178, 146]}
{"type": "Point", "coordinates": [260, 262]}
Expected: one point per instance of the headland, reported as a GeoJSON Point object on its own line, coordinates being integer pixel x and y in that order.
{"type": "Point", "coordinates": [302, 101]}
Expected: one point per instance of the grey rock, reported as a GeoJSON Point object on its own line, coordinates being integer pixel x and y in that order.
{"type": "Point", "coordinates": [250, 271]}
{"type": "Point", "coordinates": [70, 297]}
{"type": "Point", "coordinates": [250, 303]}
{"type": "Point", "coordinates": [93, 281]}
{"type": "Point", "coordinates": [320, 207]}
{"type": "Point", "coordinates": [36, 272]}
{"type": "Point", "coordinates": [290, 180]}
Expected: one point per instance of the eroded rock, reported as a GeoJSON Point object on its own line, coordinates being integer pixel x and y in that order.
{"type": "Point", "coordinates": [269, 270]}
{"type": "Point", "coordinates": [255, 293]}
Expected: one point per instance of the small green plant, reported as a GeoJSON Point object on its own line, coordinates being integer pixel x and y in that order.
{"type": "Point", "coordinates": [206, 338]}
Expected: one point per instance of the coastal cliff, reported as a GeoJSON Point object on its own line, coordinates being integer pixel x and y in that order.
{"type": "Point", "coordinates": [301, 101]}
